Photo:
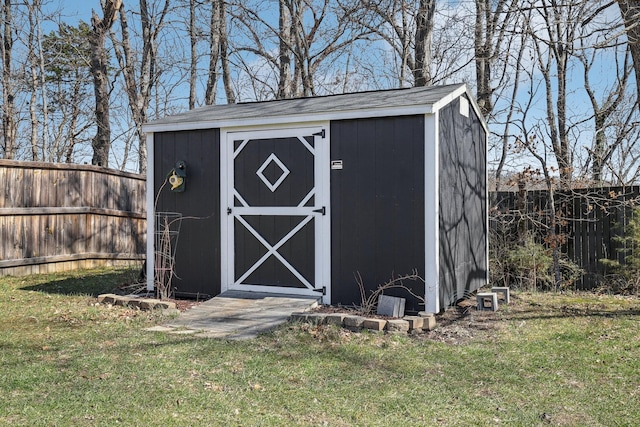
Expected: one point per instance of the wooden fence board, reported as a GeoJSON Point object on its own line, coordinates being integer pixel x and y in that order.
{"type": "Point", "coordinates": [594, 219]}
{"type": "Point", "coordinates": [68, 216]}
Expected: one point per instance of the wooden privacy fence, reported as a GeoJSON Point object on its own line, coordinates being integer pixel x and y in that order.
{"type": "Point", "coordinates": [57, 217]}
{"type": "Point", "coordinates": [588, 222]}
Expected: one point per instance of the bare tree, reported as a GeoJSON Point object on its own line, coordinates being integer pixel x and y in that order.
{"type": "Point", "coordinates": [67, 57]}
{"type": "Point", "coordinates": [423, 39]}
{"type": "Point", "coordinates": [294, 53]}
{"type": "Point", "coordinates": [606, 110]}
{"type": "Point", "coordinates": [630, 10]}
{"type": "Point", "coordinates": [99, 70]}
{"type": "Point", "coordinates": [9, 125]}
{"type": "Point", "coordinates": [224, 53]}
{"type": "Point", "coordinates": [504, 120]}
{"type": "Point", "coordinates": [284, 53]}
{"type": "Point", "coordinates": [139, 85]}
{"type": "Point", "coordinates": [38, 84]}
{"type": "Point", "coordinates": [554, 43]}
{"type": "Point", "coordinates": [492, 36]}
{"type": "Point", "coordinates": [193, 68]}
{"type": "Point", "coordinates": [35, 85]}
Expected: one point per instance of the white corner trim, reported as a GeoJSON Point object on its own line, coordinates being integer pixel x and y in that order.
{"type": "Point", "coordinates": [487, 201]}
{"type": "Point", "coordinates": [226, 221]}
{"type": "Point", "coordinates": [323, 186]}
{"type": "Point", "coordinates": [150, 214]}
{"type": "Point", "coordinates": [432, 213]}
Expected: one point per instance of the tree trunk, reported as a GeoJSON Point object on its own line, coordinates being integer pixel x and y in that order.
{"type": "Point", "coordinates": [284, 62]}
{"type": "Point", "coordinates": [214, 54]}
{"type": "Point", "coordinates": [73, 125]}
{"type": "Point", "coordinates": [630, 10]}
{"type": "Point", "coordinates": [424, 34]}
{"type": "Point", "coordinates": [224, 55]}
{"type": "Point", "coordinates": [193, 69]}
{"type": "Point", "coordinates": [33, 102]}
{"type": "Point", "coordinates": [139, 91]}
{"type": "Point", "coordinates": [99, 61]}
{"type": "Point", "coordinates": [9, 125]}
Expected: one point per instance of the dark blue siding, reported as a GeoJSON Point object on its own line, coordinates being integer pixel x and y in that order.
{"type": "Point", "coordinates": [463, 226]}
{"type": "Point", "coordinates": [377, 205]}
{"type": "Point", "coordinates": [198, 250]}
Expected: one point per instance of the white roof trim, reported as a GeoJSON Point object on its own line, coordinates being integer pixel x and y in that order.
{"type": "Point", "coordinates": [447, 99]}
{"type": "Point", "coordinates": [290, 118]}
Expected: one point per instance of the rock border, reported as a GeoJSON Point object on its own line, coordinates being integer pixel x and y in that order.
{"type": "Point", "coordinates": [134, 301]}
{"type": "Point", "coordinates": [407, 325]}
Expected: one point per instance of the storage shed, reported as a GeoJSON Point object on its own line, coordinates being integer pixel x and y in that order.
{"type": "Point", "coordinates": [302, 196]}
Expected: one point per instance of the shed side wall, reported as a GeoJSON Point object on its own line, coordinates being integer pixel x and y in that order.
{"type": "Point", "coordinates": [197, 264]}
{"type": "Point", "coordinates": [377, 206]}
{"type": "Point", "coordinates": [463, 204]}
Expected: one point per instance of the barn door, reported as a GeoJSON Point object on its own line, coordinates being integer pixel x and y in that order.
{"type": "Point", "coordinates": [277, 226]}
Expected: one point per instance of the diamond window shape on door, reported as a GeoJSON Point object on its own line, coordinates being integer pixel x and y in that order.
{"type": "Point", "coordinates": [285, 172]}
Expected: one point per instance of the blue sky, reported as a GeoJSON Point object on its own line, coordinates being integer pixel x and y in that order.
{"type": "Point", "coordinates": [75, 10]}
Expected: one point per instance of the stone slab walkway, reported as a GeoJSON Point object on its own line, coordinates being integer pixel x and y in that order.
{"type": "Point", "coordinates": [237, 315]}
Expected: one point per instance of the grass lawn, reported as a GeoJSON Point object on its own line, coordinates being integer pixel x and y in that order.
{"type": "Point", "coordinates": [545, 359]}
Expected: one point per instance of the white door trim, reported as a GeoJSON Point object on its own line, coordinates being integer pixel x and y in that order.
{"type": "Point", "coordinates": [322, 231]}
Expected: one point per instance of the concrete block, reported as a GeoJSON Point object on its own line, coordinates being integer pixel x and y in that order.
{"type": "Point", "coordinates": [429, 323]}
{"type": "Point", "coordinates": [425, 314]}
{"type": "Point", "coordinates": [397, 325]}
{"type": "Point", "coordinates": [315, 318]}
{"type": "Point", "coordinates": [391, 306]}
{"type": "Point", "coordinates": [166, 305]}
{"type": "Point", "coordinates": [353, 322]}
{"type": "Point", "coordinates": [415, 322]}
{"type": "Point", "coordinates": [148, 304]}
{"type": "Point", "coordinates": [125, 301]}
{"type": "Point", "coordinates": [107, 299]}
{"type": "Point", "coordinates": [503, 294]}
{"type": "Point", "coordinates": [374, 324]}
{"type": "Point", "coordinates": [487, 301]}
{"type": "Point", "coordinates": [335, 319]}
{"type": "Point", "coordinates": [298, 317]}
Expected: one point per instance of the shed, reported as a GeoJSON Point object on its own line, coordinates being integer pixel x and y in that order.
{"type": "Point", "coordinates": [301, 196]}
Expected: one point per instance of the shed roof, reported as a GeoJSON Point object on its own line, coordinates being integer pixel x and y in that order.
{"type": "Point", "coordinates": [417, 100]}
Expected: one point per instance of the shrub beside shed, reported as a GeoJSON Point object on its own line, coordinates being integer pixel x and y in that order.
{"type": "Point", "coordinates": [299, 196]}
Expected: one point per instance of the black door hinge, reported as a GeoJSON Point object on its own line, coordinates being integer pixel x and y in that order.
{"type": "Point", "coordinates": [321, 134]}
{"type": "Point", "coordinates": [228, 211]}
{"type": "Point", "coordinates": [322, 210]}
{"type": "Point", "coordinates": [322, 289]}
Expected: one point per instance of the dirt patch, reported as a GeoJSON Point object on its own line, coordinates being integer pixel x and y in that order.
{"type": "Point", "coordinates": [456, 325]}
{"type": "Point", "coordinates": [464, 322]}
{"type": "Point", "coordinates": [184, 304]}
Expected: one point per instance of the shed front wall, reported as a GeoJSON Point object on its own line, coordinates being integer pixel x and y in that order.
{"type": "Point", "coordinates": [197, 255]}
{"type": "Point", "coordinates": [377, 206]}
{"type": "Point", "coordinates": [463, 204]}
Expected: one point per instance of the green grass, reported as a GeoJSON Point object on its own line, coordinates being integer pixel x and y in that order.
{"type": "Point", "coordinates": [544, 360]}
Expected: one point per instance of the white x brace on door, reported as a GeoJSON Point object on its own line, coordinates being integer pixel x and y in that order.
{"type": "Point", "coordinates": [276, 219]}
